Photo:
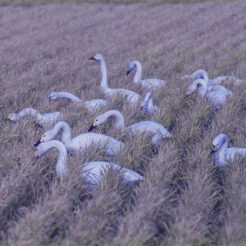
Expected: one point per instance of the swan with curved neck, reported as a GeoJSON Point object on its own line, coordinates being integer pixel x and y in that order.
{"type": "Point", "coordinates": [82, 141]}
{"type": "Point", "coordinates": [93, 172]}
{"type": "Point", "coordinates": [131, 96]}
{"type": "Point", "coordinates": [202, 74]}
{"type": "Point", "coordinates": [147, 105]}
{"type": "Point", "coordinates": [223, 154]}
{"type": "Point", "coordinates": [92, 105]}
{"type": "Point", "coordinates": [217, 95]}
{"type": "Point", "coordinates": [155, 129]}
{"type": "Point", "coordinates": [42, 119]}
{"type": "Point", "coordinates": [150, 84]}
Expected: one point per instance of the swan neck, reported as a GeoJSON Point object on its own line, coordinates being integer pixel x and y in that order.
{"type": "Point", "coordinates": [204, 87]}
{"type": "Point", "coordinates": [29, 111]}
{"type": "Point", "coordinates": [119, 118]}
{"type": "Point", "coordinates": [61, 165]}
{"type": "Point", "coordinates": [66, 132]}
{"type": "Point", "coordinates": [68, 96]}
{"type": "Point", "coordinates": [138, 75]}
{"type": "Point", "coordinates": [104, 78]}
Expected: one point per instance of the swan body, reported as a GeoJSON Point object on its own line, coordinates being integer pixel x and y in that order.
{"type": "Point", "coordinates": [131, 97]}
{"type": "Point", "coordinates": [91, 106]}
{"type": "Point", "coordinates": [148, 106]}
{"type": "Point", "coordinates": [150, 84]}
{"type": "Point", "coordinates": [217, 95]}
{"type": "Point", "coordinates": [42, 119]}
{"type": "Point", "coordinates": [202, 74]}
{"type": "Point", "coordinates": [82, 141]}
{"type": "Point", "coordinates": [93, 172]}
{"type": "Point", "coordinates": [155, 129]}
{"type": "Point", "coordinates": [223, 154]}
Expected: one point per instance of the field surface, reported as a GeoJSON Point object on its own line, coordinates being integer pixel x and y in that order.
{"type": "Point", "coordinates": [184, 199]}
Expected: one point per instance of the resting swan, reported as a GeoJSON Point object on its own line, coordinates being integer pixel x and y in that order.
{"type": "Point", "coordinates": [157, 130]}
{"type": "Point", "coordinates": [92, 105]}
{"type": "Point", "coordinates": [82, 141]}
{"type": "Point", "coordinates": [223, 154]}
{"type": "Point", "coordinates": [131, 96]}
{"type": "Point", "coordinates": [46, 119]}
{"type": "Point", "coordinates": [150, 84]}
{"type": "Point", "coordinates": [147, 105]}
{"type": "Point", "coordinates": [217, 95]}
{"type": "Point", "coordinates": [202, 74]}
{"type": "Point", "coordinates": [93, 172]}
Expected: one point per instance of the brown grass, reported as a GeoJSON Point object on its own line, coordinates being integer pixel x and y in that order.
{"type": "Point", "coordinates": [184, 199]}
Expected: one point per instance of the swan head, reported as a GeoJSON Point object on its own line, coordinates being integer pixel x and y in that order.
{"type": "Point", "coordinates": [196, 85]}
{"type": "Point", "coordinates": [47, 136]}
{"type": "Point", "coordinates": [98, 57]}
{"type": "Point", "coordinates": [100, 119]}
{"type": "Point", "coordinates": [40, 151]}
{"type": "Point", "coordinates": [131, 66]}
{"type": "Point", "coordinates": [219, 142]}
{"type": "Point", "coordinates": [53, 96]}
{"type": "Point", "coordinates": [12, 117]}
{"type": "Point", "coordinates": [200, 74]}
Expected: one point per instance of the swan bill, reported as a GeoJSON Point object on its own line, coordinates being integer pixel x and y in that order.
{"type": "Point", "coordinates": [128, 72]}
{"type": "Point", "coordinates": [92, 58]}
{"type": "Point", "coordinates": [9, 117]}
{"type": "Point", "coordinates": [214, 149]}
{"type": "Point", "coordinates": [36, 144]}
{"type": "Point", "coordinates": [92, 127]}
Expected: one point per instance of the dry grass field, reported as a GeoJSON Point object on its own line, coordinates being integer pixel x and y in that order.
{"type": "Point", "coordinates": [184, 199]}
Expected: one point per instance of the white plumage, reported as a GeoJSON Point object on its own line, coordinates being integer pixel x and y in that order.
{"type": "Point", "coordinates": [223, 154]}
{"type": "Point", "coordinates": [155, 129]}
{"type": "Point", "coordinates": [147, 105]}
{"type": "Point", "coordinates": [94, 172]}
{"type": "Point", "coordinates": [46, 119]}
{"type": "Point", "coordinates": [131, 97]}
{"type": "Point", "coordinates": [150, 84]}
{"type": "Point", "coordinates": [82, 141]}
{"type": "Point", "coordinates": [92, 105]}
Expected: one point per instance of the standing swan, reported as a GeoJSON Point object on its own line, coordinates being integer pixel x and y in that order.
{"type": "Point", "coordinates": [217, 95]}
{"type": "Point", "coordinates": [150, 84]}
{"type": "Point", "coordinates": [42, 119]}
{"type": "Point", "coordinates": [82, 141]}
{"type": "Point", "coordinates": [147, 105]}
{"type": "Point", "coordinates": [92, 105]}
{"type": "Point", "coordinates": [93, 172]}
{"type": "Point", "coordinates": [202, 74]}
{"type": "Point", "coordinates": [157, 130]}
{"type": "Point", "coordinates": [223, 153]}
{"type": "Point", "coordinates": [131, 96]}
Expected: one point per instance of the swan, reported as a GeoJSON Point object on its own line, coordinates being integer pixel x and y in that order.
{"type": "Point", "coordinates": [217, 95]}
{"type": "Point", "coordinates": [131, 97]}
{"type": "Point", "coordinates": [147, 83]}
{"type": "Point", "coordinates": [92, 105]}
{"type": "Point", "coordinates": [157, 130]}
{"type": "Point", "coordinates": [42, 119]}
{"type": "Point", "coordinates": [82, 141]}
{"type": "Point", "coordinates": [223, 154]}
{"type": "Point", "coordinates": [202, 74]}
{"type": "Point", "coordinates": [93, 172]}
{"type": "Point", "coordinates": [147, 105]}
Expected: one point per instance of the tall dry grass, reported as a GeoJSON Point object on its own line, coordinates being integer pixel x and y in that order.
{"type": "Point", "coordinates": [184, 199]}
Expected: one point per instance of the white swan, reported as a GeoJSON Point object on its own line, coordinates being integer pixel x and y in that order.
{"type": "Point", "coordinates": [155, 129]}
{"type": "Point", "coordinates": [93, 172]}
{"type": "Point", "coordinates": [148, 106]}
{"type": "Point", "coordinates": [217, 95]}
{"type": "Point", "coordinates": [202, 74]}
{"type": "Point", "coordinates": [223, 154]}
{"type": "Point", "coordinates": [82, 141]}
{"type": "Point", "coordinates": [91, 106]}
{"type": "Point", "coordinates": [150, 84]}
{"type": "Point", "coordinates": [42, 119]}
{"type": "Point", "coordinates": [131, 97]}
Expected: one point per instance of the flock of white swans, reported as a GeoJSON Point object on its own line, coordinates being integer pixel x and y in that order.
{"type": "Point", "coordinates": [94, 171]}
